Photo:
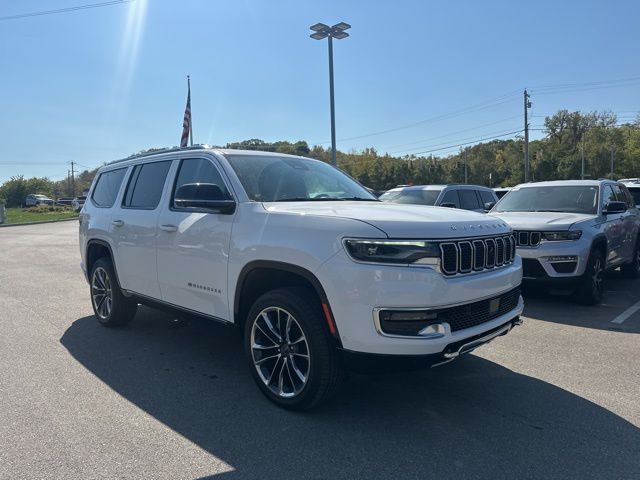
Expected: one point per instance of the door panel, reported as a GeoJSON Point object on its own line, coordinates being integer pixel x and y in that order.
{"type": "Point", "coordinates": [613, 227]}
{"type": "Point", "coordinates": [134, 229]}
{"type": "Point", "coordinates": [193, 246]}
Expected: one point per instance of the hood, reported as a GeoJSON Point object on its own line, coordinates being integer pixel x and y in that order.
{"type": "Point", "coordinates": [542, 220]}
{"type": "Point", "coordinates": [400, 221]}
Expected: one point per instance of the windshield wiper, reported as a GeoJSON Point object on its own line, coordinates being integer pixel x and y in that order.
{"type": "Point", "coordinates": [359, 199]}
{"type": "Point", "coordinates": [305, 199]}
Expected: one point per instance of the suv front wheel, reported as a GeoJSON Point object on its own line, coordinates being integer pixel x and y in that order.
{"type": "Point", "coordinates": [109, 304]}
{"type": "Point", "coordinates": [292, 357]}
{"type": "Point", "coordinates": [591, 288]}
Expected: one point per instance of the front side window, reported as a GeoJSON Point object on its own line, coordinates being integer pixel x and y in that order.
{"type": "Point", "coordinates": [451, 197]}
{"type": "Point", "coordinates": [285, 179]}
{"type": "Point", "coordinates": [145, 185]}
{"type": "Point", "coordinates": [469, 199]}
{"type": "Point", "coordinates": [107, 188]}
{"type": "Point", "coordinates": [415, 196]}
{"type": "Point", "coordinates": [608, 195]}
{"type": "Point", "coordinates": [556, 198]}
{"type": "Point", "coordinates": [487, 197]}
{"type": "Point", "coordinates": [200, 171]}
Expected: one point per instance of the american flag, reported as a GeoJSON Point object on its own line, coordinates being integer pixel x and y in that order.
{"type": "Point", "coordinates": [186, 123]}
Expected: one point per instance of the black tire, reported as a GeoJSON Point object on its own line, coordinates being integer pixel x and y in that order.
{"type": "Point", "coordinates": [110, 306]}
{"type": "Point", "coordinates": [632, 269]}
{"type": "Point", "coordinates": [591, 289]}
{"type": "Point", "coordinates": [278, 356]}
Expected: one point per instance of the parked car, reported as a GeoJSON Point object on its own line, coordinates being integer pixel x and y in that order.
{"type": "Point", "coordinates": [466, 197]}
{"type": "Point", "coordinates": [78, 202]}
{"type": "Point", "coordinates": [64, 201]}
{"type": "Point", "coordinates": [317, 273]}
{"type": "Point", "coordinates": [571, 232]}
{"type": "Point", "coordinates": [33, 200]}
{"type": "Point", "coordinates": [501, 191]}
{"type": "Point", "coordinates": [633, 185]}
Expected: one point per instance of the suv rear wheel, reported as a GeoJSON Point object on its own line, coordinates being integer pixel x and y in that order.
{"type": "Point", "coordinates": [591, 288]}
{"type": "Point", "coordinates": [632, 269]}
{"type": "Point", "coordinates": [109, 304]}
{"type": "Point", "coordinates": [292, 357]}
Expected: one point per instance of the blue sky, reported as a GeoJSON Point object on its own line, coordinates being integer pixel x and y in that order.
{"type": "Point", "coordinates": [98, 84]}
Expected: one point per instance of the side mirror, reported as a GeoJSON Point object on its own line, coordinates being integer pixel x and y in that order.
{"type": "Point", "coordinates": [448, 205]}
{"type": "Point", "coordinates": [203, 196]}
{"type": "Point", "coordinates": [614, 207]}
{"type": "Point", "coordinates": [489, 205]}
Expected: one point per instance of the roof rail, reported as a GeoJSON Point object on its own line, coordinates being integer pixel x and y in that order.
{"type": "Point", "coordinates": [162, 150]}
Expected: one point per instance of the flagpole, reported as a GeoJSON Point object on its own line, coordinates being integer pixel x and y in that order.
{"type": "Point", "coordinates": [191, 120]}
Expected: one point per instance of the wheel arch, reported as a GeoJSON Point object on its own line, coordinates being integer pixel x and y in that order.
{"type": "Point", "coordinates": [260, 276]}
{"type": "Point", "coordinates": [96, 249]}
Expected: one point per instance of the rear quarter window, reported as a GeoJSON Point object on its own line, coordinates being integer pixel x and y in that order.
{"type": "Point", "coordinates": [107, 188]}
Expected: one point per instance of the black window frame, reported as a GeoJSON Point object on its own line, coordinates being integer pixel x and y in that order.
{"type": "Point", "coordinates": [453, 191]}
{"type": "Point", "coordinates": [93, 201]}
{"type": "Point", "coordinates": [173, 208]}
{"type": "Point", "coordinates": [135, 173]}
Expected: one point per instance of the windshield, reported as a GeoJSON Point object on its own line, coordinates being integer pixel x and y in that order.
{"type": "Point", "coordinates": [571, 199]}
{"type": "Point", "coordinates": [417, 197]}
{"type": "Point", "coordinates": [282, 179]}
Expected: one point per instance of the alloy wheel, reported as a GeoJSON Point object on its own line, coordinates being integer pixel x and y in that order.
{"type": "Point", "coordinates": [280, 352]}
{"type": "Point", "coordinates": [597, 276]}
{"type": "Point", "coordinates": [101, 293]}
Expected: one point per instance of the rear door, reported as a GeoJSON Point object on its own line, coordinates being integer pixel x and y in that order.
{"type": "Point", "coordinates": [193, 243]}
{"type": "Point", "coordinates": [629, 222]}
{"type": "Point", "coordinates": [134, 228]}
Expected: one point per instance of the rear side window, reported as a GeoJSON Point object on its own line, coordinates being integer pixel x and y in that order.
{"type": "Point", "coordinates": [107, 188]}
{"type": "Point", "coordinates": [469, 199]}
{"type": "Point", "coordinates": [200, 170]}
{"type": "Point", "coordinates": [146, 185]}
{"type": "Point", "coordinates": [451, 197]}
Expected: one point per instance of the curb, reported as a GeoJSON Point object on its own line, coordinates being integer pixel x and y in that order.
{"type": "Point", "coordinates": [3, 225]}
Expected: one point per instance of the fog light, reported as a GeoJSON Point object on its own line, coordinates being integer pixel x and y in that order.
{"type": "Point", "coordinates": [562, 258]}
{"type": "Point", "coordinates": [407, 316]}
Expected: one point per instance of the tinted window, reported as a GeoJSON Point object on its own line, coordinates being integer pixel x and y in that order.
{"type": "Point", "coordinates": [451, 197]}
{"type": "Point", "coordinates": [469, 199]}
{"type": "Point", "coordinates": [417, 197]}
{"type": "Point", "coordinates": [146, 185]}
{"type": "Point", "coordinates": [621, 195]}
{"type": "Point", "coordinates": [107, 187]}
{"type": "Point", "coordinates": [635, 193]}
{"type": "Point", "coordinates": [487, 197]}
{"type": "Point", "coordinates": [199, 170]}
{"type": "Point", "coordinates": [608, 195]}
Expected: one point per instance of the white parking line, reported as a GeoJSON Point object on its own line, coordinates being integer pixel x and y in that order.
{"type": "Point", "coordinates": [627, 313]}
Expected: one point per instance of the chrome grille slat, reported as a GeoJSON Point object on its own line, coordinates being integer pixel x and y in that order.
{"type": "Point", "coordinates": [464, 256]}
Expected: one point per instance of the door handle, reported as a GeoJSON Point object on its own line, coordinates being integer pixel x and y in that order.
{"type": "Point", "coordinates": [168, 228]}
{"type": "Point", "coordinates": [117, 223]}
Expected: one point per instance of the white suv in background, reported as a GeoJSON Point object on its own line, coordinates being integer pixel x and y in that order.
{"type": "Point", "coordinates": [317, 273]}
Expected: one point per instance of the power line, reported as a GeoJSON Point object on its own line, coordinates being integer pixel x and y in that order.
{"type": "Point", "coordinates": [480, 106]}
{"type": "Point", "coordinates": [65, 10]}
{"type": "Point", "coordinates": [469, 143]}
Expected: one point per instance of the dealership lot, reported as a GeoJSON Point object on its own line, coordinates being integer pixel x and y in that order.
{"type": "Point", "coordinates": [556, 398]}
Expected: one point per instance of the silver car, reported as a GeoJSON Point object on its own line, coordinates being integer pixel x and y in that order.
{"type": "Point", "coordinates": [571, 232]}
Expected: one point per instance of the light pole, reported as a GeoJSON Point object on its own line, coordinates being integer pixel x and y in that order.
{"type": "Point", "coordinates": [322, 31]}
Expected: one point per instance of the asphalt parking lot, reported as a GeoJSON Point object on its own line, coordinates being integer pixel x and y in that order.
{"type": "Point", "coordinates": [559, 397]}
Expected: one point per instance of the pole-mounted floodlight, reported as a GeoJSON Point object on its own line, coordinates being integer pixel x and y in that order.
{"type": "Point", "coordinates": [320, 32]}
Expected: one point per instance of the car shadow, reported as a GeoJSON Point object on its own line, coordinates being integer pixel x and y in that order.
{"type": "Point", "coordinates": [469, 419]}
{"type": "Point", "coordinates": [560, 306]}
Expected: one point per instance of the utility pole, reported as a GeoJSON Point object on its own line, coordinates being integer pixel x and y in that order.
{"type": "Point", "coordinates": [582, 155]}
{"type": "Point", "coordinates": [613, 159]}
{"type": "Point", "coordinates": [73, 182]}
{"type": "Point", "coordinates": [68, 181]}
{"type": "Point", "coordinates": [465, 167]}
{"type": "Point", "coordinates": [527, 105]}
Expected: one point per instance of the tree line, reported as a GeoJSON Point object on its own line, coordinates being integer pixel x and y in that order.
{"type": "Point", "coordinates": [557, 156]}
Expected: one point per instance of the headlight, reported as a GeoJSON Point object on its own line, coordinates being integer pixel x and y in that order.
{"type": "Point", "coordinates": [393, 251]}
{"type": "Point", "coordinates": [555, 236]}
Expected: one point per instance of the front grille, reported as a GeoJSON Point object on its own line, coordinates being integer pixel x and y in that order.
{"type": "Point", "coordinates": [463, 256]}
{"type": "Point", "coordinates": [477, 313]}
{"type": "Point", "coordinates": [532, 268]}
{"type": "Point", "coordinates": [527, 239]}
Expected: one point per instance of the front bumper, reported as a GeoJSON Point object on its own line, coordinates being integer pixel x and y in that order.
{"type": "Point", "coordinates": [357, 291]}
{"type": "Point", "coordinates": [549, 261]}
{"type": "Point", "coordinates": [368, 362]}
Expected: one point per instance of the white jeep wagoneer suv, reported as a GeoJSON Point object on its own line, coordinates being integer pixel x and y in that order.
{"type": "Point", "coordinates": [317, 273]}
